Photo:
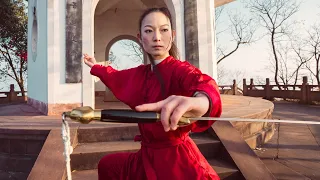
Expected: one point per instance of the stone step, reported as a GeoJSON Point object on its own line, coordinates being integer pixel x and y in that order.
{"type": "Point", "coordinates": [117, 132]}
{"type": "Point", "coordinates": [91, 174]}
{"type": "Point", "coordinates": [223, 169]}
{"type": "Point", "coordinates": [87, 155]}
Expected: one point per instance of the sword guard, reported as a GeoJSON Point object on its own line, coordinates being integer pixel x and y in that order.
{"type": "Point", "coordinates": [83, 114]}
{"type": "Point", "coordinates": [86, 114]}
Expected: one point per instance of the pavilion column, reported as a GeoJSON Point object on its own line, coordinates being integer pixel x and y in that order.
{"type": "Point", "coordinates": [87, 47]}
{"type": "Point", "coordinates": [200, 35]}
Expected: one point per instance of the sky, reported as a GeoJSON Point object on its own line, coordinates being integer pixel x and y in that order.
{"type": "Point", "coordinates": [248, 61]}
{"type": "Point", "coordinates": [251, 61]}
{"type": "Point", "coordinates": [122, 61]}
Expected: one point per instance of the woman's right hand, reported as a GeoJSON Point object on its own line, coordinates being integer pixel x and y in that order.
{"type": "Point", "coordinates": [88, 60]}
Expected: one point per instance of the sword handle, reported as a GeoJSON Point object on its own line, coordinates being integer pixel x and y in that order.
{"type": "Point", "coordinates": [86, 114]}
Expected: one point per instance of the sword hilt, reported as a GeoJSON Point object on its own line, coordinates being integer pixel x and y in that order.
{"type": "Point", "coordinates": [86, 114]}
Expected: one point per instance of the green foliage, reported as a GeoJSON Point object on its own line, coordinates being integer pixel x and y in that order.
{"type": "Point", "coordinates": [13, 41]}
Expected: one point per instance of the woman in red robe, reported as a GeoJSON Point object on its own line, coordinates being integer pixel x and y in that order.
{"type": "Point", "coordinates": [171, 87]}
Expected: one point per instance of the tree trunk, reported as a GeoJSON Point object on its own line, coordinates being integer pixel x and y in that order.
{"type": "Point", "coordinates": [21, 86]}
{"type": "Point", "coordinates": [276, 59]}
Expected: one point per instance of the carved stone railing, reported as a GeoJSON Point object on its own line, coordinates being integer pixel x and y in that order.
{"type": "Point", "coordinates": [306, 93]}
{"type": "Point", "coordinates": [230, 89]}
{"type": "Point", "coordinates": [12, 96]}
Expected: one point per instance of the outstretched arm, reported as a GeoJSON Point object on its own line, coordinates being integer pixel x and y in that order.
{"type": "Point", "coordinates": [115, 80]}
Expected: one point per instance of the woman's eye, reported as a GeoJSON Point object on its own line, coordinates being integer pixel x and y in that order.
{"type": "Point", "coordinates": [148, 31]}
{"type": "Point", "coordinates": [165, 30]}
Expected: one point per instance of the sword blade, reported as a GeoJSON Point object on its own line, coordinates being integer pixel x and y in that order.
{"type": "Point", "coordinates": [254, 120]}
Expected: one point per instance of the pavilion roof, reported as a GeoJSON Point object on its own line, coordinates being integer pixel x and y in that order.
{"type": "Point", "coordinates": [218, 3]}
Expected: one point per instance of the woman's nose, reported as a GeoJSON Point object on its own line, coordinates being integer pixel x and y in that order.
{"type": "Point", "coordinates": [157, 36]}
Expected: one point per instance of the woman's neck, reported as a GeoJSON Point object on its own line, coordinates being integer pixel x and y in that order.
{"type": "Point", "coordinates": [158, 60]}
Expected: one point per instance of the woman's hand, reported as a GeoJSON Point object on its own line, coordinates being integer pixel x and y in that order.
{"type": "Point", "coordinates": [174, 107]}
{"type": "Point", "coordinates": [88, 60]}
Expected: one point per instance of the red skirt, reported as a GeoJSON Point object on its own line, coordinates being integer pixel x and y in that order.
{"type": "Point", "coordinates": [174, 159]}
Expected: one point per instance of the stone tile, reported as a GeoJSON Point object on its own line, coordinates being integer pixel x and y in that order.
{"type": "Point", "coordinates": [17, 146]}
{"type": "Point", "coordinates": [21, 163]}
{"type": "Point", "coordinates": [306, 168]}
{"type": "Point", "coordinates": [281, 171]}
{"type": "Point", "coordinates": [4, 162]}
{"type": "Point", "coordinates": [4, 175]}
{"type": "Point", "coordinates": [34, 147]}
{"type": "Point", "coordinates": [5, 146]}
{"type": "Point", "coordinates": [13, 175]}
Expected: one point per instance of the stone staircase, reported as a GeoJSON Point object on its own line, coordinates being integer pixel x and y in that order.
{"type": "Point", "coordinates": [95, 143]}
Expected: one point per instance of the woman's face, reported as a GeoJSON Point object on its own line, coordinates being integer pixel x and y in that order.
{"type": "Point", "coordinates": [156, 35]}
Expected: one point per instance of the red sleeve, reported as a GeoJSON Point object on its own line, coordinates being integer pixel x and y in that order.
{"type": "Point", "coordinates": [191, 79]}
{"type": "Point", "coordinates": [114, 79]}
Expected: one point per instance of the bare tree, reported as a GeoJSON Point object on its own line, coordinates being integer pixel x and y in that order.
{"type": "Point", "coordinates": [289, 71]}
{"type": "Point", "coordinates": [135, 50]}
{"type": "Point", "coordinates": [218, 11]}
{"type": "Point", "coordinates": [292, 57]}
{"type": "Point", "coordinates": [274, 16]}
{"type": "Point", "coordinates": [314, 49]}
{"type": "Point", "coordinates": [112, 60]}
{"type": "Point", "coordinates": [302, 57]}
{"type": "Point", "coordinates": [259, 80]}
{"type": "Point", "coordinates": [112, 57]}
{"type": "Point", "coordinates": [226, 76]}
{"type": "Point", "coordinates": [222, 74]}
{"type": "Point", "coordinates": [242, 30]}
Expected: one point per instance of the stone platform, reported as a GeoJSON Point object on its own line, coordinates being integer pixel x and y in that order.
{"type": "Point", "coordinates": [22, 116]}
{"type": "Point", "coordinates": [23, 130]}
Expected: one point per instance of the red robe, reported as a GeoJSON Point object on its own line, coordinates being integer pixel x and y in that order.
{"type": "Point", "coordinates": [163, 155]}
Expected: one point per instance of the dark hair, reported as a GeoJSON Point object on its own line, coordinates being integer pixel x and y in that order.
{"type": "Point", "coordinates": [173, 50]}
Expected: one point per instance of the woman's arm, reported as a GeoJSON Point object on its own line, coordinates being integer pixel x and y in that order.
{"type": "Point", "coordinates": [115, 80]}
{"type": "Point", "coordinates": [200, 97]}
{"type": "Point", "coordinates": [194, 83]}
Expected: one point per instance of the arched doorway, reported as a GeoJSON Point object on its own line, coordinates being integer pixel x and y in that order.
{"type": "Point", "coordinates": [115, 42]}
{"type": "Point", "coordinates": [123, 52]}
{"type": "Point", "coordinates": [104, 20]}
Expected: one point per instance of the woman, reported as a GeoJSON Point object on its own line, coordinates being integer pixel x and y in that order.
{"type": "Point", "coordinates": [171, 87]}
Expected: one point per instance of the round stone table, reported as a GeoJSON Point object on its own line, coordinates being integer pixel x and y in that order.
{"type": "Point", "coordinates": [254, 133]}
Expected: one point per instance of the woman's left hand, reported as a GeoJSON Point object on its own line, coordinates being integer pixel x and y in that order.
{"type": "Point", "coordinates": [174, 107]}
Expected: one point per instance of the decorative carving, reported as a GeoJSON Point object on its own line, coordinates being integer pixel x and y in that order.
{"type": "Point", "coordinates": [73, 41]}
{"type": "Point", "coordinates": [34, 35]}
{"type": "Point", "coordinates": [191, 32]}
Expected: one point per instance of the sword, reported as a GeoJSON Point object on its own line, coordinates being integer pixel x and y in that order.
{"type": "Point", "coordinates": [86, 114]}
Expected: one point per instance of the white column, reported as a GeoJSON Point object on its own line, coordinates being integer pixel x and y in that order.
{"type": "Point", "coordinates": [206, 37]}
{"type": "Point", "coordinates": [87, 47]}
{"type": "Point", "coordinates": [59, 92]}
{"type": "Point", "coordinates": [53, 22]}
{"type": "Point", "coordinates": [176, 9]}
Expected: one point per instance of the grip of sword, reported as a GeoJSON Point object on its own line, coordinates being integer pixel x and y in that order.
{"type": "Point", "coordinates": [129, 116]}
